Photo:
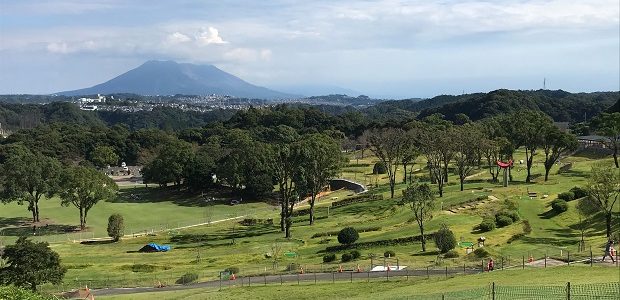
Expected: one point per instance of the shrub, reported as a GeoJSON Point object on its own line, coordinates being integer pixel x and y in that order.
{"type": "Point", "coordinates": [513, 214]}
{"type": "Point", "coordinates": [348, 236]}
{"type": "Point", "coordinates": [329, 257]}
{"type": "Point", "coordinates": [559, 205]}
{"type": "Point", "coordinates": [451, 254]}
{"type": "Point", "coordinates": [503, 220]}
{"type": "Point", "coordinates": [356, 254]}
{"type": "Point", "coordinates": [379, 168]}
{"type": "Point", "coordinates": [187, 278]}
{"type": "Point", "coordinates": [527, 228]}
{"type": "Point", "coordinates": [346, 257]}
{"type": "Point", "coordinates": [487, 224]}
{"type": "Point", "coordinates": [292, 267]}
{"type": "Point", "coordinates": [567, 196]}
{"type": "Point", "coordinates": [389, 253]}
{"type": "Point", "coordinates": [233, 270]}
{"type": "Point", "coordinates": [380, 243]}
{"type": "Point", "coordinates": [579, 192]}
{"type": "Point", "coordinates": [444, 239]}
{"type": "Point", "coordinates": [143, 268]}
{"type": "Point", "coordinates": [481, 253]}
{"type": "Point", "coordinates": [116, 227]}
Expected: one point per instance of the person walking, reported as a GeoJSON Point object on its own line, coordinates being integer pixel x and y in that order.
{"type": "Point", "coordinates": [609, 249]}
{"type": "Point", "coordinates": [490, 265]}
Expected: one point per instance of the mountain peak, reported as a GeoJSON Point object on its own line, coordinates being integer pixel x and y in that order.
{"type": "Point", "coordinates": [167, 77]}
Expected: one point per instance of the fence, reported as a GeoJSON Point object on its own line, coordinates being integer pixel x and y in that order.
{"type": "Point", "coordinates": [566, 292]}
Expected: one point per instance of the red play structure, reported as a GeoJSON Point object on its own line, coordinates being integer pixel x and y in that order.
{"type": "Point", "coordinates": [504, 165]}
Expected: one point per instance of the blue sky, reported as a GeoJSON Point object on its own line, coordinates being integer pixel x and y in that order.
{"type": "Point", "coordinates": [382, 48]}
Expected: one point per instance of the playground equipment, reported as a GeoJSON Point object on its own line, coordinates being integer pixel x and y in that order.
{"type": "Point", "coordinates": [505, 166]}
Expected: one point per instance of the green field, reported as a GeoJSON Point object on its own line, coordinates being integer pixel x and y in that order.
{"type": "Point", "coordinates": [206, 250]}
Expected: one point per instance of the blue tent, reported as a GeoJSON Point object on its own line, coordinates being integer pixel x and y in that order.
{"type": "Point", "coordinates": [152, 247]}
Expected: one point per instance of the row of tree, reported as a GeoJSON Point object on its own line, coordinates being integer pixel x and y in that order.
{"type": "Point", "coordinates": [27, 176]}
{"type": "Point", "coordinates": [446, 146]}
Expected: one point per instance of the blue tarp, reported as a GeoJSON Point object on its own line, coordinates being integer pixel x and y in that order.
{"type": "Point", "coordinates": [153, 247]}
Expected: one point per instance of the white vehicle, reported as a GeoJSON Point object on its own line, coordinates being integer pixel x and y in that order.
{"type": "Point", "coordinates": [124, 165]}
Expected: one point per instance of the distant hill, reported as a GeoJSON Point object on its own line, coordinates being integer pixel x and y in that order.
{"type": "Point", "coordinates": [316, 90]}
{"type": "Point", "coordinates": [562, 106]}
{"type": "Point", "coordinates": [171, 78]}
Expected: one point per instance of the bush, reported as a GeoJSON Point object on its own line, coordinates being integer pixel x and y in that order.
{"type": "Point", "coordinates": [451, 254]}
{"type": "Point", "coordinates": [379, 168]}
{"type": "Point", "coordinates": [348, 236]}
{"type": "Point", "coordinates": [389, 253]}
{"type": "Point", "coordinates": [559, 206]}
{"type": "Point", "coordinates": [292, 267]}
{"type": "Point", "coordinates": [356, 254]}
{"type": "Point", "coordinates": [346, 257]}
{"type": "Point", "coordinates": [579, 192]}
{"type": "Point", "coordinates": [444, 239]}
{"type": "Point", "coordinates": [187, 278]}
{"type": "Point", "coordinates": [144, 268]}
{"type": "Point", "coordinates": [116, 227]}
{"type": "Point", "coordinates": [233, 270]}
{"type": "Point", "coordinates": [513, 214]}
{"type": "Point", "coordinates": [487, 224]}
{"type": "Point", "coordinates": [329, 257]}
{"type": "Point", "coordinates": [380, 243]}
{"type": "Point", "coordinates": [481, 253]}
{"type": "Point", "coordinates": [567, 196]}
{"type": "Point", "coordinates": [503, 220]}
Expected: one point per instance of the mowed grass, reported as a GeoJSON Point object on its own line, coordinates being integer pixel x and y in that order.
{"type": "Point", "coordinates": [396, 289]}
{"type": "Point", "coordinates": [206, 250]}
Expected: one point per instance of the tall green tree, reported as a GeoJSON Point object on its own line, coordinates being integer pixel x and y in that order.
{"type": "Point", "coordinates": [603, 191]}
{"type": "Point", "coordinates": [284, 164]}
{"type": "Point", "coordinates": [83, 187]}
{"type": "Point", "coordinates": [554, 144]}
{"type": "Point", "coordinates": [530, 127]}
{"type": "Point", "coordinates": [608, 125]}
{"type": "Point", "coordinates": [320, 160]}
{"type": "Point", "coordinates": [27, 177]}
{"type": "Point", "coordinates": [466, 143]}
{"type": "Point", "coordinates": [421, 201]}
{"type": "Point", "coordinates": [171, 164]}
{"type": "Point", "coordinates": [30, 264]}
{"type": "Point", "coordinates": [116, 227]}
{"type": "Point", "coordinates": [437, 145]}
{"type": "Point", "coordinates": [388, 145]}
{"type": "Point", "coordinates": [103, 156]}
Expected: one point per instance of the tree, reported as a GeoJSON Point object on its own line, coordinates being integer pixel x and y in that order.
{"type": "Point", "coordinates": [436, 146]}
{"type": "Point", "coordinates": [466, 150]}
{"type": "Point", "coordinates": [444, 239]}
{"type": "Point", "coordinates": [103, 156]}
{"type": "Point", "coordinates": [494, 150]}
{"type": "Point", "coordinates": [608, 125]}
{"type": "Point", "coordinates": [171, 164]}
{"type": "Point", "coordinates": [530, 127]}
{"type": "Point", "coordinates": [284, 165]}
{"type": "Point", "coordinates": [421, 201]}
{"type": "Point", "coordinates": [116, 227]}
{"type": "Point", "coordinates": [29, 176]}
{"type": "Point", "coordinates": [603, 190]}
{"type": "Point", "coordinates": [389, 146]}
{"type": "Point", "coordinates": [31, 264]}
{"type": "Point", "coordinates": [410, 154]}
{"type": "Point", "coordinates": [554, 144]}
{"type": "Point", "coordinates": [585, 208]}
{"type": "Point", "coordinates": [320, 160]}
{"type": "Point", "coordinates": [348, 235]}
{"type": "Point", "coordinates": [84, 187]}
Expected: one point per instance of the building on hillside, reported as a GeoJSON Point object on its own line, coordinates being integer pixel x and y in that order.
{"type": "Point", "coordinates": [592, 141]}
{"type": "Point", "coordinates": [99, 99]}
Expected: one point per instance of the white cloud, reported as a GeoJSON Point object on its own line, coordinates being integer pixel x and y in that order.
{"type": "Point", "coordinates": [177, 38]}
{"type": "Point", "coordinates": [209, 36]}
{"type": "Point", "coordinates": [60, 48]}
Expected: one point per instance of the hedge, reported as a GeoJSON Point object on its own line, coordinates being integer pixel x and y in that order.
{"type": "Point", "coordinates": [334, 233]}
{"type": "Point", "coordinates": [357, 199]}
{"type": "Point", "coordinates": [380, 243]}
{"type": "Point", "coordinates": [253, 222]}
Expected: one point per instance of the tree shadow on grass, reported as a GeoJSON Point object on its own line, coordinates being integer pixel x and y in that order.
{"type": "Point", "coordinates": [98, 242]}
{"type": "Point", "coordinates": [51, 229]}
{"type": "Point", "coordinates": [427, 253]}
{"type": "Point", "coordinates": [575, 173]}
{"type": "Point", "coordinates": [548, 214]}
{"type": "Point", "coordinates": [178, 196]}
{"type": "Point", "coordinates": [548, 241]}
{"type": "Point", "coordinates": [14, 221]}
{"type": "Point", "coordinates": [240, 232]}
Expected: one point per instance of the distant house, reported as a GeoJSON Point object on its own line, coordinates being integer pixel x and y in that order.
{"type": "Point", "coordinates": [592, 141]}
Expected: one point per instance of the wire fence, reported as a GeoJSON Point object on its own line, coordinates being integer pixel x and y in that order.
{"type": "Point", "coordinates": [500, 292]}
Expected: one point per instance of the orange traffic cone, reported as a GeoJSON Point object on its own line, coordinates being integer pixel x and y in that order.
{"type": "Point", "coordinates": [359, 270]}
{"type": "Point", "coordinates": [339, 268]}
{"type": "Point", "coordinates": [233, 277]}
{"type": "Point", "coordinates": [301, 270]}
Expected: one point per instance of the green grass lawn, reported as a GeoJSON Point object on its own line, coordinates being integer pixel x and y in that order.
{"type": "Point", "coordinates": [229, 244]}
{"type": "Point", "coordinates": [397, 289]}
